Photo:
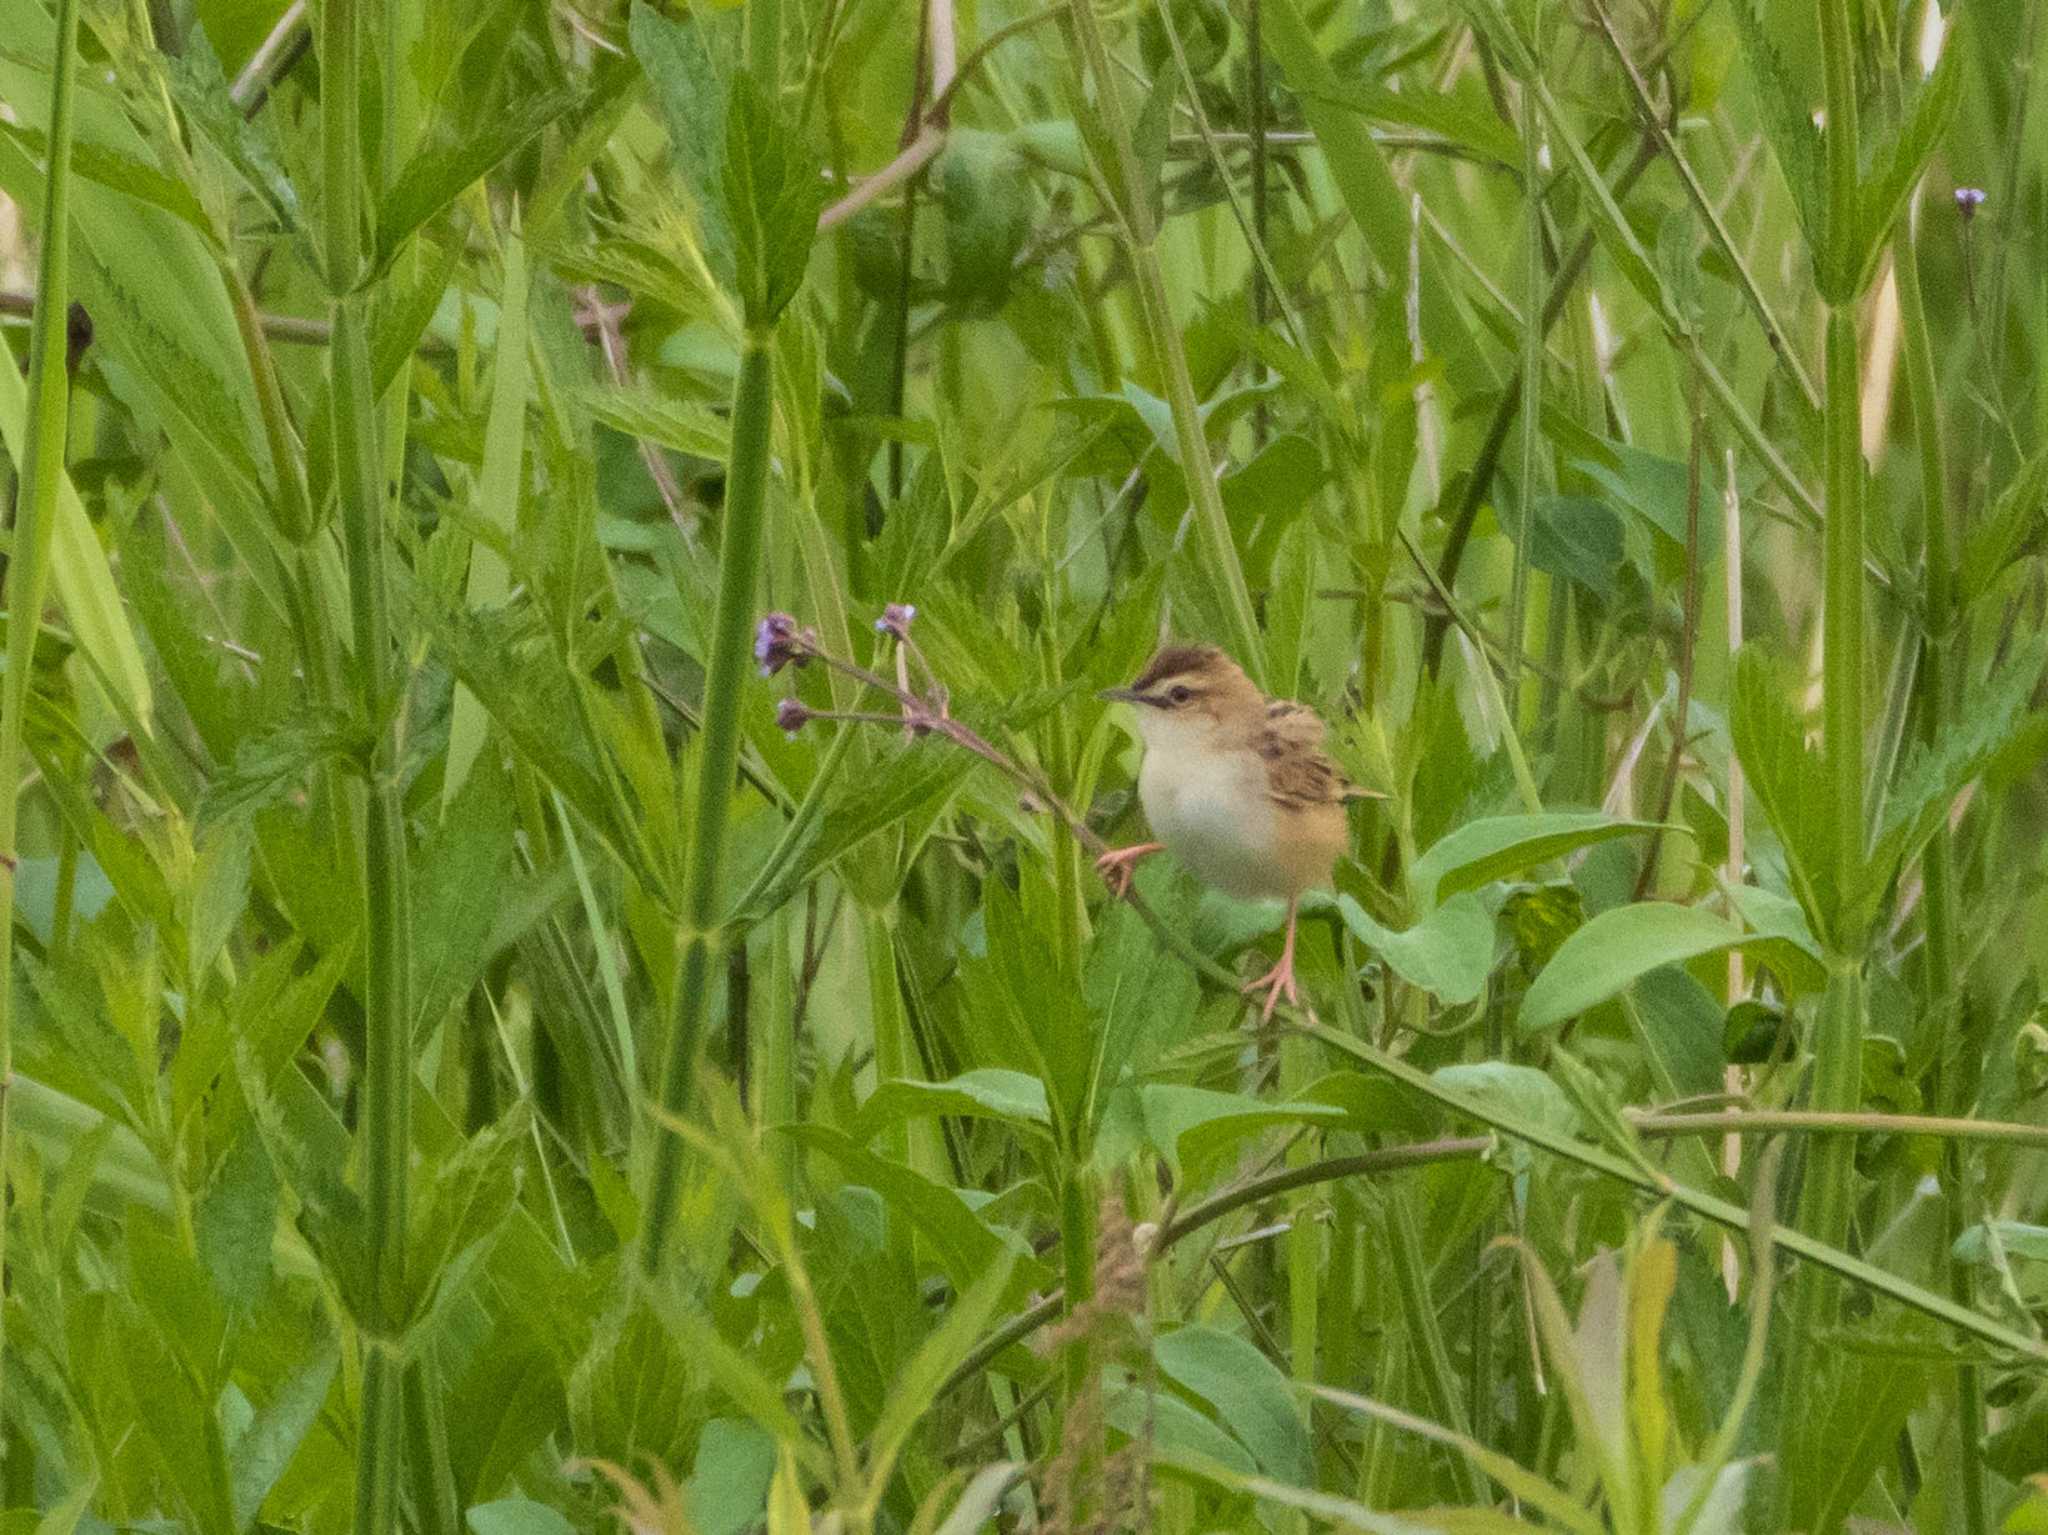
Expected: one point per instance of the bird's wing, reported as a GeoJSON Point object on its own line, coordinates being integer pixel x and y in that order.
{"type": "Point", "coordinates": [1298, 772]}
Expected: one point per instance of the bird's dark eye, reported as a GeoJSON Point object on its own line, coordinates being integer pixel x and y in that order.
{"type": "Point", "coordinates": [1180, 695]}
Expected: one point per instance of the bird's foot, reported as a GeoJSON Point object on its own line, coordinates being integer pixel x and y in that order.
{"type": "Point", "coordinates": [1275, 983]}
{"type": "Point", "coordinates": [1117, 865]}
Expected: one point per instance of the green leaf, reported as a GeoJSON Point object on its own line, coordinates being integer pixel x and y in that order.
{"type": "Point", "coordinates": [1191, 1127]}
{"type": "Point", "coordinates": [236, 1223]}
{"type": "Point", "coordinates": [1787, 778]}
{"type": "Point", "coordinates": [459, 888]}
{"type": "Point", "coordinates": [81, 575]}
{"type": "Point", "coordinates": [1897, 162]}
{"type": "Point", "coordinates": [1519, 1092]}
{"type": "Point", "coordinates": [273, 764]}
{"type": "Point", "coordinates": [1787, 113]}
{"type": "Point", "coordinates": [266, 1448]}
{"type": "Point", "coordinates": [1171, 1429]}
{"type": "Point", "coordinates": [964, 1245]}
{"type": "Point", "coordinates": [516, 1516]}
{"type": "Point", "coordinates": [1249, 1394]}
{"type": "Point", "coordinates": [690, 428]}
{"type": "Point", "coordinates": [1149, 140]}
{"type": "Point", "coordinates": [2016, 1239]}
{"type": "Point", "coordinates": [985, 1093]}
{"type": "Point", "coordinates": [445, 169]}
{"type": "Point", "coordinates": [1926, 786]}
{"type": "Point", "coordinates": [1449, 953]}
{"type": "Point", "coordinates": [2012, 525]}
{"type": "Point", "coordinates": [915, 1389]}
{"type": "Point", "coordinates": [685, 62]}
{"type": "Point", "coordinates": [1577, 538]}
{"type": "Point", "coordinates": [1376, 201]}
{"type": "Point", "coordinates": [987, 203]}
{"type": "Point", "coordinates": [1609, 953]}
{"type": "Point", "coordinates": [1134, 987]}
{"type": "Point", "coordinates": [729, 1480]}
{"type": "Point", "coordinates": [773, 195]}
{"type": "Point", "coordinates": [124, 173]}
{"type": "Point", "coordinates": [1497, 847]}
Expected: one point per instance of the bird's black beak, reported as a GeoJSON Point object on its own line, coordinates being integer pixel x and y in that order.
{"type": "Point", "coordinates": [1118, 695]}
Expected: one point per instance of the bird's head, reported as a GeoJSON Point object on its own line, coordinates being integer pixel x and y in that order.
{"type": "Point", "coordinates": [1187, 691]}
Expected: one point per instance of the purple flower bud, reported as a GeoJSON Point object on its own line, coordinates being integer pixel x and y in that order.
{"type": "Point", "coordinates": [790, 714]}
{"type": "Point", "coordinates": [777, 644]}
{"type": "Point", "coordinates": [895, 619]}
{"type": "Point", "coordinates": [1969, 200]}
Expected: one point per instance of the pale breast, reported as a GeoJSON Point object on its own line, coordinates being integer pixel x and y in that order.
{"type": "Point", "coordinates": [1215, 817]}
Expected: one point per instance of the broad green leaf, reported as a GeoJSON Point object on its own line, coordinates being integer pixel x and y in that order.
{"type": "Point", "coordinates": [987, 1092]}
{"type": "Point", "coordinates": [1518, 1092]}
{"type": "Point", "coordinates": [1249, 1394]}
{"type": "Point", "coordinates": [729, 1481]}
{"type": "Point", "coordinates": [1497, 847]}
{"type": "Point", "coordinates": [773, 195]}
{"type": "Point", "coordinates": [516, 1516]}
{"type": "Point", "coordinates": [1578, 538]}
{"type": "Point", "coordinates": [1172, 1428]}
{"type": "Point", "coordinates": [1190, 1127]}
{"type": "Point", "coordinates": [1449, 953]}
{"type": "Point", "coordinates": [1610, 952]}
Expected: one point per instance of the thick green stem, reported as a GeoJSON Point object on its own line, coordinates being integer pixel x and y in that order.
{"type": "Point", "coordinates": [753, 416]}
{"type": "Point", "coordinates": [387, 1076]}
{"type": "Point", "coordinates": [35, 518]}
{"type": "Point", "coordinates": [1937, 865]}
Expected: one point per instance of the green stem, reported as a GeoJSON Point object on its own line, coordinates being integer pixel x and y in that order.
{"type": "Point", "coordinates": [1533, 329]}
{"type": "Point", "coordinates": [753, 418]}
{"type": "Point", "coordinates": [28, 572]}
{"type": "Point", "coordinates": [387, 1076]}
{"type": "Point", "coordinates": [1827, 1191]}
{"type": "Point", "coordinates": [1197, 466]}
{"type": "Point", "coordinates": [1937, 863]}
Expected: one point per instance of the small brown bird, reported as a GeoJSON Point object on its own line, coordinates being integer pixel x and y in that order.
{"type": "Point", "coordinates": [1236, 786]}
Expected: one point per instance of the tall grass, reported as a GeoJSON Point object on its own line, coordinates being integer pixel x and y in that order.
{"type": "Point", "coordinates": [551, 757]}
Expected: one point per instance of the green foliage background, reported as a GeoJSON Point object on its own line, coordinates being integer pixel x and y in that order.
{"type": "Point", "coordinates": [471, 1069]}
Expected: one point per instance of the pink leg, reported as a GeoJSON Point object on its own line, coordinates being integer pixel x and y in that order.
{"type": "Point", "coordinates": [1281, 977]}
{"type": "Point", "coordinates": [1116, 865]}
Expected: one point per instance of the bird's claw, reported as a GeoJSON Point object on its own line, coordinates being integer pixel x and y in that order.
{"type": "Point", "coordinates": [1277, 982]}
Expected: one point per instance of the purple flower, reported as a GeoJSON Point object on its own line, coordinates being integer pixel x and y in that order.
{"type": "Point", "coordinates": [778, 643]}
{"type": "Point", "coordinates": [790, 714]}
{"type": "Point", "coordinates": [1969, 200]}
{"type": "Point", "coordinates": [896, 619]}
